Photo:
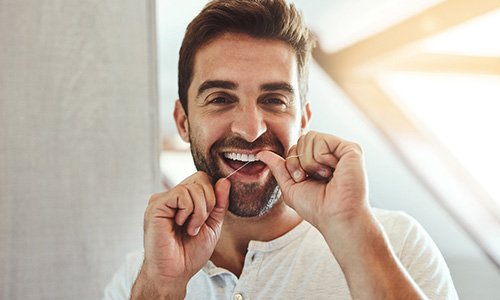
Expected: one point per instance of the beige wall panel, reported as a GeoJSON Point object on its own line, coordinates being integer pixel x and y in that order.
{"type": "Point", "coordinates": [78, 142]}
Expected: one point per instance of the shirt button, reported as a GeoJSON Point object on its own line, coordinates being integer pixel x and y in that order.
{"type": "Point", "coordinates": [238, 297]}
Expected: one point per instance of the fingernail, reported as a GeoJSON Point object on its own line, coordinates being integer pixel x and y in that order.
{"type": "Point", "coordinates": [324, 172]}
{"type": "Point", "coordinates": [297, 175]}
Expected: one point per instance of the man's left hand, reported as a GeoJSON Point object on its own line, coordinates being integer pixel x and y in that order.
{"type": "Point", "coordinates": [323, 179]}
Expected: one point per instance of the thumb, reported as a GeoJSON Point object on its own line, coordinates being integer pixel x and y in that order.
{"type": "Point", "coordinates": [222, 187]}
{"type": "Point", "coordinates": [277, 165]}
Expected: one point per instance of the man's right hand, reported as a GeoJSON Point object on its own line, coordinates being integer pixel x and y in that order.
{"type": "Point", "coordinates": [181, 228]}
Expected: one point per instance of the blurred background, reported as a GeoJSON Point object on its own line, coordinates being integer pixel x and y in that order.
{"type": "Point", "coordinates": [87, 90]}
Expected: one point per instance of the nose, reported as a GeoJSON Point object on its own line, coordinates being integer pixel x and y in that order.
{"type": "Point", "coordinates": [249, 123]}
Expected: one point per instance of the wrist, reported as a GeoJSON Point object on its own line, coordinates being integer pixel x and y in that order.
{"type": "Point", "coordinates": [354, 235]}
{"type": "Point", "coordinates": [346, 223]}
{"type": "Point", "coordinates": [149, 285]}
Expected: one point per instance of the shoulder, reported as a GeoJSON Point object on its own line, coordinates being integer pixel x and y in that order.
{"type": "Point", "coordinates": [406, 235]}
{"type": "Point", "coordinates": [418, 253]}
{"type": "Point", "coordinates": [392, 217]}
{"type": "Point", "coordinates": [400, 227]}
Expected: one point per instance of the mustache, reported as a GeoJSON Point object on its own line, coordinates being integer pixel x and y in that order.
{"type": "Point", "coordinates": [265, 141]}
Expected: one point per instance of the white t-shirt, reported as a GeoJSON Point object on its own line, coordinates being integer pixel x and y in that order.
{"type": "Point", "coordinates": [299, 265]}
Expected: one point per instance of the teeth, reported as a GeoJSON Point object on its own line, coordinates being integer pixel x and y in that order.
{"type": "Point", "coordinates": [240, 156]}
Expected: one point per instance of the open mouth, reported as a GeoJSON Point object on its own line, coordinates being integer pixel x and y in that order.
{"type": "Point", "coordinates": [246, 164]}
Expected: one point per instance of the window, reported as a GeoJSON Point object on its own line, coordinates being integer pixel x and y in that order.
{"type": "Point", "coordinates": [431, 84]}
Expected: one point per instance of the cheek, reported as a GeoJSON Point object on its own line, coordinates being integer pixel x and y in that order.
{"type": "Point", "coordinates": [287, 132]}
{"type": "Point", "coordinates": [294, 135]}
{"type": "Point", "coordinates": [204, 132]}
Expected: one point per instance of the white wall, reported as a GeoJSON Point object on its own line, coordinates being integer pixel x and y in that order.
{"type": "Point", "coordinates": [78, 142]}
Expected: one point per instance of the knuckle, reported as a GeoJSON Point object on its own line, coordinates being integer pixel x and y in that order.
{"type": "Point", "coordinates": [152, 202]}
{"type": "Point", "coordinates": [195, 177]}
{"type": "Point", "coordinates": [182, 188]}
{"type": "Point", "coordinates": [198, 177]}
{"type": "Point", "coordinates": [195, 187]}
{"type": "Point", "coordinates": [203, 176]}
{"type": "Point", "coordinates": [311, 134]}
{"type": "Point", "coordinates": [357, 148]}
{"type": "Point", "coordinates": [180, 195]}
{"type": "Point", "coordinates": [154, 197]}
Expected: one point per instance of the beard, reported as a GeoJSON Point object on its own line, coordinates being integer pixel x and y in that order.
{"type": "Point", "coordinates": [245, 199]}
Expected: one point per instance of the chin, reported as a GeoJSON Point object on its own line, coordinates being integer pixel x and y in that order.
{"type": "Point", "coordinates": [246, 201]}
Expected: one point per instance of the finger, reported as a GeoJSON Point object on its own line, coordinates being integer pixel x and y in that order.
{"type": "Point", "coordinates": [199, 214]}
{"type": "Point", "coordinates": [157, 207]}
{"type": "Point", "coordinates": [305, 147]}
{"type": "Point", "coordinates": [313, 147]}
{"type": "Point", "coordinates": [182, 203]}
{"type": "Point", "coordinates": [293, 165]}
{"type": "Point", "coordinates": [306, 159]}
{"type": "Point", "coordinates": [206, 183]}
{"type": "Point", "coordinates": [324, 147]}
{"type": "Point", "coordinates": [277, 166]}
{"type": "Point", "coordinates": [301, 149]}
{"type": "Point", "coordinates": [327, 159]}
{"type": "Point", "coordinates": [222, 188]}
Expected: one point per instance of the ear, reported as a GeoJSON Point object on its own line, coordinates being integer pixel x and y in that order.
{"type": "Point", "coordinates": [306, 117]}
{"type": "Point", "coordinates": [181, 121]}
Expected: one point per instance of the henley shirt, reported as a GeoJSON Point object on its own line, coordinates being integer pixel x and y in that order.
{"type": "Point", "coordinates": [300, 265]}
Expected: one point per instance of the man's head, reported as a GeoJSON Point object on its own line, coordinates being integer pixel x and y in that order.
{"type": "Point", "coordinates": [266, 19]}
{"type": "Point", "coordinates": [244, 94]}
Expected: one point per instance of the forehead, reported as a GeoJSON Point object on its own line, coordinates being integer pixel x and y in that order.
{"type": "Point", "coordinates": [239, 57]}
{"type": "Point", "coordinates": [232, 43]}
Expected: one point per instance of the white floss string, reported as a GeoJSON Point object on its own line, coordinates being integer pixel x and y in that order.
{"type": "Point", "coordinates": [237, 169]}
{"type": "Point", "coordinates": [232, 173]}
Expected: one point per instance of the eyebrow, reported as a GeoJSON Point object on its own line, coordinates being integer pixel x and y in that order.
{"type": "Point", "coordinates": [277, 86]}
{"type": "Point", "coordinates": [221, 84]}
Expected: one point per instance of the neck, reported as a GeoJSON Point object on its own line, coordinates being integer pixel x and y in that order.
{"type": "Point", "coordinates": [237, 232]}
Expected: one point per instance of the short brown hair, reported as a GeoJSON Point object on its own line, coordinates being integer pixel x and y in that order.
{"type": "Point", "coordinates": [268, 19]}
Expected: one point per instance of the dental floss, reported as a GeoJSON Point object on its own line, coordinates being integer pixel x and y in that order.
{"type": "Point", "coordinates": [237, 169]}
{"type": "Point", "coordinates": [232, 173]}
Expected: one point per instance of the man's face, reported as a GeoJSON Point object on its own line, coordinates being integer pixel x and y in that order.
{"type": "Point", "coordinates": [243, 99]}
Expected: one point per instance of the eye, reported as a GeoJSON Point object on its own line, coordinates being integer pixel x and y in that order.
{"type": "Point", "coordinates": [274, 101]}
{"type": "Point", "coordinates": [219, 100]}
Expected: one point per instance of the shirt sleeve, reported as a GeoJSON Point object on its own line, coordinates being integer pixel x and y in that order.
{"type": "Point", "coordinates": [120, 286]}
{"type": "Point", "coordinates": [421, 257]}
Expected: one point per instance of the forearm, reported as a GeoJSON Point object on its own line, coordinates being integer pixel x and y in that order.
{"type": "Point", "coordinates": [371, 268]}
{"type": "Point", "coordinates": [149, 287]}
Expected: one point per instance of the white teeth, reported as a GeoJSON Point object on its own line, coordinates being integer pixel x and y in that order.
{"type": "Point", "coordinates": [240, 156]}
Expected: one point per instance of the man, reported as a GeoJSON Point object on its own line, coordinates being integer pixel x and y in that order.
{"type": "Point", "coordinates": [274, 211]}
